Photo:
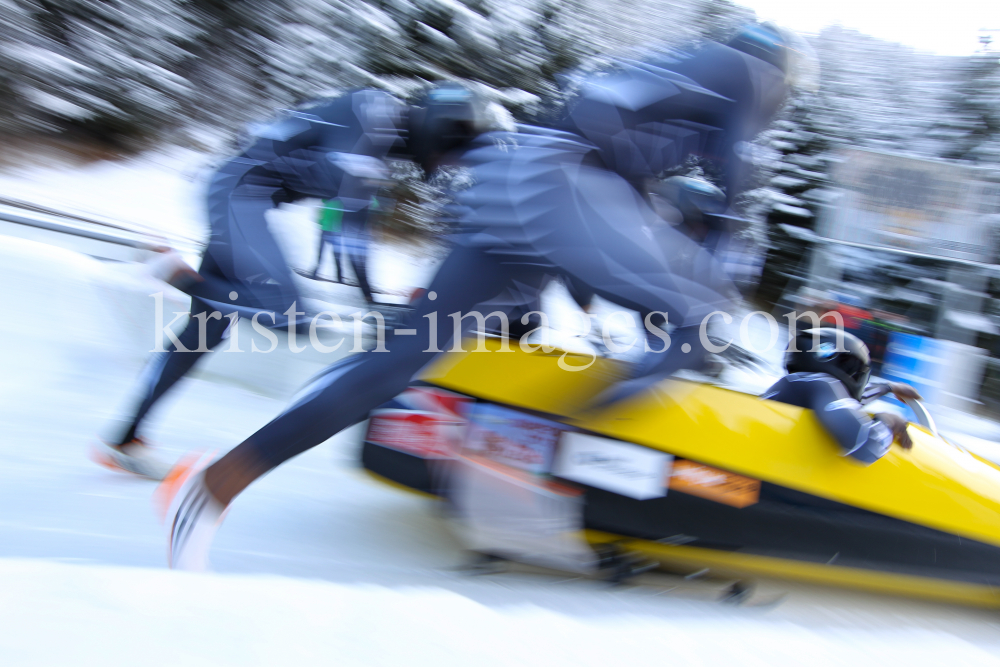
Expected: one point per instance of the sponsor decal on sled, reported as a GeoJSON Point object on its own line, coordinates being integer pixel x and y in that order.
{"type": "Point", "coordinates": [714, 484]}
{"type": "Point", "coordinates": [613, 465]}
{"type": "Point", "coordinates": [431, 399]}
{"type": "Point", "coordinates": [422, 434]}
{"type": "Point", "coordinates": [512, 438]}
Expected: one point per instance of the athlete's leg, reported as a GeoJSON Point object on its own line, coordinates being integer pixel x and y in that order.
{"type": "Point", "coordinates": [319, 255]}
{"type": "Point", "coordinates": [581, 293]}
{"type": "Point", "coordinates": [336, 240]}
{"type": "Point", "coordinates": [165, 368]}
{"type": "Point", "coordinates": [355, 239]}
{"type": "Point", "coordinates": [685, 351]}
{"type": "Point", "coordinates": [348, 390]}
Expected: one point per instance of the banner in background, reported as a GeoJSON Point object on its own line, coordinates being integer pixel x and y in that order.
{"type": "Point", "coordinates": [927, 206]}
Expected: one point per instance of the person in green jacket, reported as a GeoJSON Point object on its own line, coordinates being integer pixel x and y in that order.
{"type": "Point", "coordinates": [329, 221]}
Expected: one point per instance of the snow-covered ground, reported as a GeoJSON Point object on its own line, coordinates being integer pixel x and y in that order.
{"type": "Point", "coordinates": [157, 192]}
{"type": "Point", "coordinates": [119, 616]}
{"type": "Point", "coordinates": [316, 563]}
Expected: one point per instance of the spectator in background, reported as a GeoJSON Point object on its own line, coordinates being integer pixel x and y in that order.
{"type": "Point", "coordinates": [877, 333]}
{"type": "Point", "coordinates": [354, 239]}
{"type": "Point", "coordinates": [329, 220]}
{"type": "Point", "coordinates": [850, 310]}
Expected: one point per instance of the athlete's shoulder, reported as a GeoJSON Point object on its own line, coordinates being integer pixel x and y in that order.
{"type": "Point", "coordinates": [352, 104]}
{"type": "Point", "coordinates": [516, 157]}
{"type": "Point", "coordinates": [528, 145]}
{"type": "Point", "coordinates": [694, 58]}
{"type": "Point", "coordinates": [805, 388]}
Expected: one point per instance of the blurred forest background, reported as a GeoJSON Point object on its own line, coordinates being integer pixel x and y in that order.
{"type": "Point", "coordinates": [123, 76]}
{"type": "Point", "coordinates": [127, 75]}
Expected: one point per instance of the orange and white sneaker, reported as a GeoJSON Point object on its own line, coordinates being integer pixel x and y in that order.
{"type": "Point", "coordinates": [135, 457]}
{"type": "Point", "coordinates": [193, 515]}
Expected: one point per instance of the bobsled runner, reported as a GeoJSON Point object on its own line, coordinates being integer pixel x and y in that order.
{"type": "Point", "coordinates": [691, 476]}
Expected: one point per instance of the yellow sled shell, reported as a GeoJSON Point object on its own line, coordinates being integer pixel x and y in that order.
{"type": "Point", "coordinates": [935, 485]}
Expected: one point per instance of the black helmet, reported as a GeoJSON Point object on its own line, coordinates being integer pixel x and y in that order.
{"type": "Point", "coordinates": [700, 202]}
{"type": "Point", "coordinates": [832, 351]}
{"type": "Point", "coordinates": [703, 214]}
{"type": "Point", "coordinates": [446, 117]}
{"type": "Point", "coordinates": [763, 41]}
{"type": "Point", "coordinates": [784, 49]}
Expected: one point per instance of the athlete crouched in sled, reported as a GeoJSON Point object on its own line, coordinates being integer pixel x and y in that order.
{"type": "Point", "coordinates": [828, 372]}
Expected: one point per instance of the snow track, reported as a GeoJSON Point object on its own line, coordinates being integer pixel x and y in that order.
{"type": "Point", "coordinates": [116, 615]}
{"type": "Point", "coordinates": [316, 563]}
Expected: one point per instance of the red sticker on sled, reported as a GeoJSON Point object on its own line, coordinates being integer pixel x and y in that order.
{"type": "Point", "coordinates": [419, 433]}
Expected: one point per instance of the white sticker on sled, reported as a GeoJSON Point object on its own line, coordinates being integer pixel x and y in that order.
{"type": "Point", "coordinates": [612, 465]}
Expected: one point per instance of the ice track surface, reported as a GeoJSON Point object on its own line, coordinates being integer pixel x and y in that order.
{"type": "Point", "coordinates": [317, 564]}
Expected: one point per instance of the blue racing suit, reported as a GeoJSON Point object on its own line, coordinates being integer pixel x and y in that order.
{"type": "Point", "coordinates": [860, 436]}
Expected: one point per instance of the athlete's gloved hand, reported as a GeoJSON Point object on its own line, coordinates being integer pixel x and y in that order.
{"type": "Point", "coordinates": [898, 426]}
{"type": "Point", "coordinates": [904, 391]}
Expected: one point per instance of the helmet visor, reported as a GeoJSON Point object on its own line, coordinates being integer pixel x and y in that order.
{"type": "Point", "coordinates": [856, 369]}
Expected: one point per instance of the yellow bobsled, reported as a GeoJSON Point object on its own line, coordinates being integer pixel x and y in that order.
{"type": "Point", "coordinates": [695, 476]}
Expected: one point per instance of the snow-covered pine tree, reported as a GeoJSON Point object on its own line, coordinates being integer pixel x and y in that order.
{"type": "Point", "coordinates": [309, 52]}
{"type": "Point", "coordinates": [801, 143]}
{"type": "Point", "coordinates": [971, 124]}
{"type": "Point", "coordinates": [18, 37]}
{"type": "Point", "coordinates": [879, 94]}
{"type": "Point", "coordinates": [720, 19]}
{"type": "Point", "coordinates": [797, 187]}
{"type": "Point", "coordinates": [229, 67]}
{"type": "Point", "coordinates": [123, 69]}
{"type": "Point", "coordinates": [873, 94]}
{"type": "Point", "coordinates": [108, 68]}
